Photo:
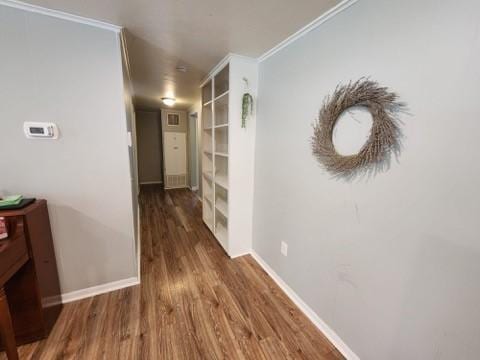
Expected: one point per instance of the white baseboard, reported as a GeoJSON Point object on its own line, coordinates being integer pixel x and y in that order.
{"type": "Point", "coordinates": [99, 289]}
{"type": "Point", "coordinates": [139, 243]}
{"type": "Point", "coordinates": [151, 182]}
{"type": "Point", "coordinates": [60, 15]}
{"type": "Point", "coordinates": [317, 321]}
{"type": "Point", "coordinates": [241, 254]}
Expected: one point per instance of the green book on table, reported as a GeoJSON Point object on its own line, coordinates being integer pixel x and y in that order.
{"type": "Point", "coordinates": [11, 200]}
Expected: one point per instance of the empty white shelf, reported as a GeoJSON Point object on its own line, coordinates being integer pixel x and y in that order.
{"type": "Point", "coordinates": [208, 175]}
{"type": "Point", "coordinates": [222, 206]}
{"type": "Point", "coordinates": [221, 96]}
{"type": "Point", "coordinates": [222, 234]}
{"type": "Point", "coordinates": [209, 198]}
{"type": "Point", "coordinates": [222, 180]}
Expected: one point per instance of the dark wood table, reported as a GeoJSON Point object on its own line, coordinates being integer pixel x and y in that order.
{"type": "Point", "coordinates": [30, 298]}
{"type": "Point", "coordinates": [13, 255]}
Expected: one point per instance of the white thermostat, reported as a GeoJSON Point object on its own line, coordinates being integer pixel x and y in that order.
{"type": "Point", "coordinates": [38, 130]}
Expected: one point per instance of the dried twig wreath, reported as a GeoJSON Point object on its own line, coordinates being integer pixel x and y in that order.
{"type": "Point", "coordinates": [385, 136]}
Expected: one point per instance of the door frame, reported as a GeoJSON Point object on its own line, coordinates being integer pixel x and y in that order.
{"type": "Point", "coordinates": [195, 118]}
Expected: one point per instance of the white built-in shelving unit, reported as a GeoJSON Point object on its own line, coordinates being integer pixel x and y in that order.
{"type": "Point", "coordinates": [228, 153]}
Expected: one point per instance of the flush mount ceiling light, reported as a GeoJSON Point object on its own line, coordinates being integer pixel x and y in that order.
{"type": "Point", "coordinates": [168, 101]}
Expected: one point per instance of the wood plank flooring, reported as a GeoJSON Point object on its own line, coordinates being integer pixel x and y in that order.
{"type": "Point", "coordinates": [193, 303]}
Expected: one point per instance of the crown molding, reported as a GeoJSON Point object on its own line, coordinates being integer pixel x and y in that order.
{"type": "Point", "coordinates": [216, 69]}
{"type": "Point", "coordinates": [60, 15]}
{"type": "Point", "coordinates": [126, 58]}
{"type": "Point", "coordinates": [343, 5]}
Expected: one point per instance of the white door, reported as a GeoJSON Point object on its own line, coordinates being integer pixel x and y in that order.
{"type": "Point", "coordinates": [175, 148]}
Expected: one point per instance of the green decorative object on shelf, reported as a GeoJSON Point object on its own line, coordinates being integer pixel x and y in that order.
{"type": "Point", "coordinates": [247, 108]}
{"type": "Point", "coordinates": [11, 200]}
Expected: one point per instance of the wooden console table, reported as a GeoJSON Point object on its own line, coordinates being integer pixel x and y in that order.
{"type": "Point", "coordinates": [13, 255]}
{"type": "Point", "coordinates": [30, 300]}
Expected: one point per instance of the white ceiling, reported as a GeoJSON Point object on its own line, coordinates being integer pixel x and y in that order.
{"type": "Point", "coordinates": [164, 34]}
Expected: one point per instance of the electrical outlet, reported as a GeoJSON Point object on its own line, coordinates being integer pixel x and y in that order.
{"type": "Point", "coordinates": [284, 248]}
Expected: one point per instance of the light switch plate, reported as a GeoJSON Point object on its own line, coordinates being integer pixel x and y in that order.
{"type": "Point", "coordinates": [284, 248]}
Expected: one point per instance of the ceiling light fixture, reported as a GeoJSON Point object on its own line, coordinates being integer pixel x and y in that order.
{"type": "Point", "coordinates": [168, 101]}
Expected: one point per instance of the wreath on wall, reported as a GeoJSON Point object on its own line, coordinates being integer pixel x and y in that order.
{"type": "Point", "coordinates": [385, 135]}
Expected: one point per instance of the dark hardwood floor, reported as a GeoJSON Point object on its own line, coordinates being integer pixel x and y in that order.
{"type": "Point", "coordinates": [193, 302]}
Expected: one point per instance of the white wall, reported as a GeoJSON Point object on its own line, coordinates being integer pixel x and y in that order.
{"type": "Point", "coordinates": [391, 264]}
{"type": "Point", "coordinates": [70, 74]}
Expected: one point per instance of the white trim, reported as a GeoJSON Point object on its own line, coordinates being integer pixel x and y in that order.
{"type": "Point", "coordinates": [216, 69]}
{"type": "Point", "coordinates": [250, 252]}
{"type": "Point", "coordinates": [193, 188]}
{"type": "Point", "coordinates": [60, 15]}
{"type": "Point", "coordinates": [151, 182]}
{"type": "Point", "coordinates": [309, 27]}
{"type": "Point", "coordinates": [139, 243]}
{"type": "Point", "coordinates": [51, 301]}
{"type": "Point", "coordinates": [99, 289]}
{"type": "Point", "coordinates": [123, 43]}
{"type": "Point", "coordinates": [317, 321]}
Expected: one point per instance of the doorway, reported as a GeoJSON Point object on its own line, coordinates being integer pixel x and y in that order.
{"type": "Point", "coordinates": [149, 147]}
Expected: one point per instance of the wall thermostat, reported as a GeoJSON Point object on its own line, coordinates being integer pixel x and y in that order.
{"type": "Point", "coordinates": [37, 130]}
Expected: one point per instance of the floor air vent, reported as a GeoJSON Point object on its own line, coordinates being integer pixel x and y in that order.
{"type": "Point", "coordinates": [176, 181]}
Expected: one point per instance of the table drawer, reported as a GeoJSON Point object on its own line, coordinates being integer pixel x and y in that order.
{"type": "Point", "coordinates": [13, 250]}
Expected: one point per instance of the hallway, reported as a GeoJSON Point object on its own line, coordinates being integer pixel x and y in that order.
{"type": "Point", "coordinates": [193, 302]}
{"type": "Point", "coordinates": [213, 306]}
